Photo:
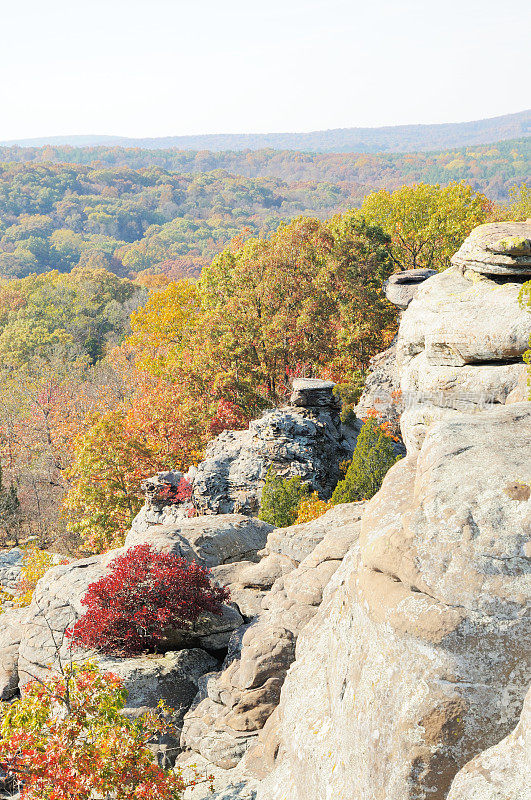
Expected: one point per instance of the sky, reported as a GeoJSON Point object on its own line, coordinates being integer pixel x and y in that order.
{"type": "Point", "coordinates": [174, 67]}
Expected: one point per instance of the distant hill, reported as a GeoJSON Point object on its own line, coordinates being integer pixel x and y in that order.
{"type": "Point", "coordinates": [489, 168]}
{"type": "Point", "coordinates": [396, 138]}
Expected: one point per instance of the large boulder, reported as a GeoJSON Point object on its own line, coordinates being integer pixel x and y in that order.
{"type": "Point", "coordinates": [497, 248]}
{"type": "Point", "coordinates": [417, 658]}
{"type": "Point", "coordinates": [503, 772]}
{"type": "Point", "coordinates": [305, 439]}
{"type": "Point", "coordinates": [209, 540]}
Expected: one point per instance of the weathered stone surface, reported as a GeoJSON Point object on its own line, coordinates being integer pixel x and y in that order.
{"type": "Point", "coordinates": [229, 784]}
{"type": "Point", "coordinates": [382, 393]}
{"type": "Point", "coordinates": [11, 627]}
{"type": "Point", "coordinates": [10, 567]}
{"type": "Point", "coordinates": [172, 677]}
{"type": "Point", "coordinates": [497, 248]}
{"type": "Point", "coordinates": [503, 772]}
{"type": "Point", "coordinates": [464, 319]}
{"type": "Point", "coordinates": [209, 540]}
{"type": "Point", "coordinates": [295, 441]}
{"type": "Point", "coordinates": [417, 658]}
{"type": "Point", "coordinates": [460, 345]}
{"type": "Point", "coordinates": [298, 541]}
{"type": "Point", "coordinates": [401, 288]}
{"type": "Point", "coordinates": [57, 600]}
{"type": "Point", "coordinates": [313, 393]}
{"type": "Point", "coordinates": [239, 700]}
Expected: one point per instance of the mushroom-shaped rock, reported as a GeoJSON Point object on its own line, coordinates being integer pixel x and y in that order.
{"type": "Point", "coordinates": [497, 248]}
{"type": "Point", "coordinates": [313, 393]}
{"type": "Point", "coordinates": [401, 288]}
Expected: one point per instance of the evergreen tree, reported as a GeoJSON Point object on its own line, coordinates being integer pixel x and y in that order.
{"type": "Point", "coordinates": [281, 499]}
{"type": "Point", "coordinates": [373, 456]}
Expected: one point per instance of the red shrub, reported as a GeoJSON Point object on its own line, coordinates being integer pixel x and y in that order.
{"type": "Point", "coordinates": [144, 593]}
{"type": "Point", "coordinates": [171, 495]}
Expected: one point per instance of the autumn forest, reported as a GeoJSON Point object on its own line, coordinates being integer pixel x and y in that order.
{"type": "Point", "coordinates": [151, 299]}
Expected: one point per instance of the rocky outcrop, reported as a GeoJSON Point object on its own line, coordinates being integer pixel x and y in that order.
{"type": "Point", "coordinates": [401, 287]}
{"type": "Point", "coordinates": [304, 439]}
{"type": "Point", "coordinates": [208, 540]}
{"type": "Point", "coordinates": [497, 248]}
{"type": "Point", "coordinates": [10, 568]}
{"type": "Point", "coordinates": [381, 392]}
{"type": "Point", "coordinates": [418, 659]}
{"type": "Point", "coordinates": [502, 772]}
{"type": "Point", "coordinates": [31, 638]}
{"type": "Point", "coordinates": [172, 677]}
{"type": "Point", "coordinates": [233, 706]}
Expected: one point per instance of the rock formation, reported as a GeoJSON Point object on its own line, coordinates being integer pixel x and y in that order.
{"type": "Point", "coordinates": [418, 658]}
{"type": "Point", "coordinates": [305, 438]}
{"type": "Point", "coordinates": [401, 288]}
{"type": "Point", "coordinates": [502, 772]}
{"type": "Point", "coordinates": [380, 652]}
{"type": "Point", "coordinates": [297, 563]}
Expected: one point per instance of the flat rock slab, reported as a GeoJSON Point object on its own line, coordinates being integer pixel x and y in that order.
{"type": "Point", "coordinates": [497, 248]}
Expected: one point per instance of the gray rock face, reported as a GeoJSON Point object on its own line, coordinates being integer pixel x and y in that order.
{"type": "Point", "coordinates": [234, 705]}
{"type": "Point", "coordinates": [417, 658]}
{"type": "Point", "coordinates": [401, 288]}
{"type": "Point", "coordinates": [382, 390]}
{"type": "Point", "coordinates": [208, 540]}
{"type": "Point", "coordinates": [497, 248]}
{"type": "Point", "coordinates": [10, 567]}
{"type": "Point", "coordinates": [307, 441]}
{"type": "Point", "coordinates": [502, 772]}
{"type": "Point", "coordinates": [460, 346]}
{"type": "Point", "coordinates": [172, 677]}
{"type": "Point", "coordinates": [30, 637]}
{"type": "Point", "coordinates": [313, 393]}
{"type": "Point", "coordinates": [11, 627]}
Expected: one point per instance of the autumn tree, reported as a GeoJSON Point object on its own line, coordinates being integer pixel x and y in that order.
{"type": "Point", "coordinates": [67, 739]}
{"type": "Point", "coordinates": [427, 224]}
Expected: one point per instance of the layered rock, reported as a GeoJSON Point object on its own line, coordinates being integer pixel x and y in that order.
{"type": "Point", "coordinates": [304, 439]}
{"type": "Point", "coordinates": [297, 564]}
{"type": "Point", "coordinates": [497, 248]}
{"type": "Point", "coordinates": [32, 639]}
{"type": "Point", "coordinates": [418, 659]}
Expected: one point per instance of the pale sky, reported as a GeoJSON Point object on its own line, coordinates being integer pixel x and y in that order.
{"type": "Point", "coordinates": [173, 67]}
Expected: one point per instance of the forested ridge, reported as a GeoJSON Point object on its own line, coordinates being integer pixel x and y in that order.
{"type": "Point", "coordinates": [401, 138]}
{"type": "Point", "coordinates": [131, 210]}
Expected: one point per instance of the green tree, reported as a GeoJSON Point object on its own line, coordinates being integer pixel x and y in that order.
{"type": "Point", "coordinates": [281, 499]}
{"type": "Point", "coordinates": [374, 455]}
{"type": "Point", "coordinates": [427, 224]}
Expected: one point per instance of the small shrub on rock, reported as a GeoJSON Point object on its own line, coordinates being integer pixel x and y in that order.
{"type": "Point", "coordinates": [281, 498]}
{"type": "Point", "coordinates": [130, 609]}
{"type": "Point", "coordinates": [373, 456]}
{"type": "Point", "coordinates": [312, 508]}
{"type": "Point", "coordinates": [67, 740]}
